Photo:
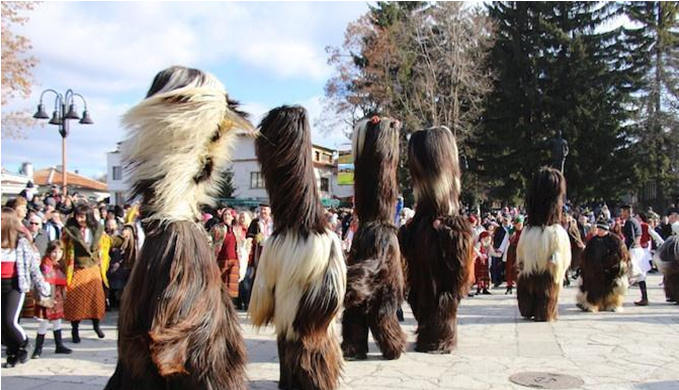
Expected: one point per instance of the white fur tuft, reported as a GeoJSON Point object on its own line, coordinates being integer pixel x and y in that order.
{"type": "Point", "coordinates": [168, 143]}
{"type": "Point", "coordinates": [544, 249]}
{"type": "Point", "coordinates": [289, 267]}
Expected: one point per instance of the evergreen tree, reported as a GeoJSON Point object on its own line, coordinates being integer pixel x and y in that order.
{"type": "Point", "coordinates": [227, 189]}
{"type": "Point", "coordinates": [654, 53]}
{"type": "Point", "coordinates": [555, 74]}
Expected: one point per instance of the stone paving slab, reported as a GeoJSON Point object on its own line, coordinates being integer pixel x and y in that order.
{"type": "Point", "coordinates": [637, 349]}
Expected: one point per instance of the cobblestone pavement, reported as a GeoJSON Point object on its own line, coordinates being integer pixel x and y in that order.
{"type": "Point", "coordinates": [635, 349]}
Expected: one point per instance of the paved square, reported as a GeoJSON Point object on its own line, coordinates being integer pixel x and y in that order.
{"type": "Point", "coordinates": [636, 349]}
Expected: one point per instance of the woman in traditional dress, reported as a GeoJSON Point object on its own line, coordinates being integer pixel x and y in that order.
{"type": "Point", "coordinates": [86, 256]}
{"type": "Point", "coordinates": [225, 244]}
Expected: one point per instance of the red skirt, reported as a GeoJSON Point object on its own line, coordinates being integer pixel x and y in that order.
{"type": "Point", "coordinates": [85, 297]}
{"type": "Point", "coordinates": [56, 312]}
{"type": "Point", "coordinates": [481, 271]}
{"type": "Point", "coordinates": [230, 273]}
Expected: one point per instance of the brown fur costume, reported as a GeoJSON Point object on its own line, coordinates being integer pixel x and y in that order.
{"type": "Point", "coordinates": [667, 260]}
{"type": "Point", "coordinates": [177, 327]}
{"type": "Point", "coordinates": [438, 243]}
{"type": "Point", "coordinates": [603, 274]}
{"type": "Point", "coordinates": [374, 275]}
{"type": "Point", "coordinates": [301, 275]}
{"type": "Point", "coordinates": [543, 254]}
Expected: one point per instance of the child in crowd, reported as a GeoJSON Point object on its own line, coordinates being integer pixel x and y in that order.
{"type": "Point", "coordinates": [52, 309]}
{"type": "Point", "coordinates": [482, 250]}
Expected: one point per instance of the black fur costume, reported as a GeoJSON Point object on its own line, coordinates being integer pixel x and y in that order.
{"type": "Point", "coordinates": [667, 260]}
{"type": "Point", "coordinates": [438, 243]}
{"type": "Point", "coordinates": [603, 274]}
{"type": "Point", "coordinates": [374, 274]}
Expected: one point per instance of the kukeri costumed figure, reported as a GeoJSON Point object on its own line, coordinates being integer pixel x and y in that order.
{"type": "Point", "coordinates": [543, 253]}
{"type": "Point", "coordinates": [667, 260]}
{"type": "Point", "coordinates": [177, 326]}
{"type": "Point", "coordinates": [374, 274]}
{"type": "Point", "coordinates": [603, 272]}
{"type": "Point", "coordinates": [301, 276]}
{"type": "Point", "coordinates": [438, 242]}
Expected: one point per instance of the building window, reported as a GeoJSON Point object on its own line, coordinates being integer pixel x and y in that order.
{"type": "Point", "coordinates": [256, 180]}
{"type": "Point", "coordinates": [327, 158]}
{"type": "Point", "coordinates": [317, 155]}
{"type": "Point", "coordinates": [325, 184]}
{"type": "Point", "coordinates": [117, 173]}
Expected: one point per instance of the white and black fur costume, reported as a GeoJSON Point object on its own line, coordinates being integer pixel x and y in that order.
{"type": "Point", "coordinates": [177, 327]}
{"type": "Point", "coordinates": [301, 276]}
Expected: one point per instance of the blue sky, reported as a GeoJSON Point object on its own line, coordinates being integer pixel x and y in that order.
{"type": "Point", "coordinates": [265, 53]}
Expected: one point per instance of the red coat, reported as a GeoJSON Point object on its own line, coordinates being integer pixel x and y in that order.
{"type": "Point", "coordinates": [510, 267]}
{"type": "Point", "coordinates": [645, 236]}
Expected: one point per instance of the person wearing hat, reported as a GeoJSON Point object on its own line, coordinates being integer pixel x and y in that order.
{"type": "Point", "coordinates": [632, 232]}
{"type": "Point", "coordinates": [28, 192]}
{"type": "Point", "coordinates": [510, 254]}
{"type": "Point", "coordinates": [482, 252]}
{"type": "Point", "coordinates": [603, 278]}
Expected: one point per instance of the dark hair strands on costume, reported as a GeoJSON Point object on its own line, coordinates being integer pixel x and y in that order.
{"type": "Point", "coordinates": [284, 151]}
{"type": "Point", "coordinates": [177, 327]}
{"type": "Point", "coordinates": [376, 187]}
{"type": "Point", "coordinates": [433, 158]}
{"type": "Point", "coordinates": [545, 197]}
{"type": "Point", "coordinates": [182, 76]}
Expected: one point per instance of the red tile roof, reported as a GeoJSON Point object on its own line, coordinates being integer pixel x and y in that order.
{"type": "Point", "coordinates": [49, 176]}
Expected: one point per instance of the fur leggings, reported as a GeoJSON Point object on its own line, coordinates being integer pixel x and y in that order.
{"type": "Point", "coordinates": [384, 327]}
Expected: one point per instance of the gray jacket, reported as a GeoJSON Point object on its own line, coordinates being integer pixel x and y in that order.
{"type": "Point", "coordinates": [28, 269]}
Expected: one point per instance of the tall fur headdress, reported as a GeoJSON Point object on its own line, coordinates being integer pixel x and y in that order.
{"type": "Point", "coordinates": [198, 123]}
{"type": "Point", "coordinates": [435, 169]}
{"type": "Point", "coordinates": [545, 198]}
{"type": "Point", "coordinates": [376, 187]}
{"type": "Point", "coordinates": [284, 151]}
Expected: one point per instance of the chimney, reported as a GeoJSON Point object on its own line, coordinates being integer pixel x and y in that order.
{"type": "Point", "coordinates": [27, 170]}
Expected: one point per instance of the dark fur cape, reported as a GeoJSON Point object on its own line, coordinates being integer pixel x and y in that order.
{"type": "Point", "coordinates": [177, 327]}
{"type": "Point", "coordinates": [603, 274]}
{"type": "Point", "coordinates": [667, 260]}
{"type": "Point", "coordinates": [374, 274]}
{"type": "Point", "coordinates": [438, 243]}
{"type": "Point", "coordinates": [301, 275]}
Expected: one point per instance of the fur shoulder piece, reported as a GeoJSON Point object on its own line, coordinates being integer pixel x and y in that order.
{"type": "Point", "coordinates": [177, 147]}
{"type": "Point", "coordinates": [667, 256]}
{"type": "Point", "coordinates": [544, 249]}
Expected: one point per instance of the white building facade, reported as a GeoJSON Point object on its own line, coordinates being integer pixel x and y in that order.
{"type": "Point", "coordinates": [248, 182]}
{"type": "Point", "coordinates": [115, 178]}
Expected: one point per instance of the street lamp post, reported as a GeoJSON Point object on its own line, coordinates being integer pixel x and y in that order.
{"type": "Point", "coordinates": [60, 117]}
